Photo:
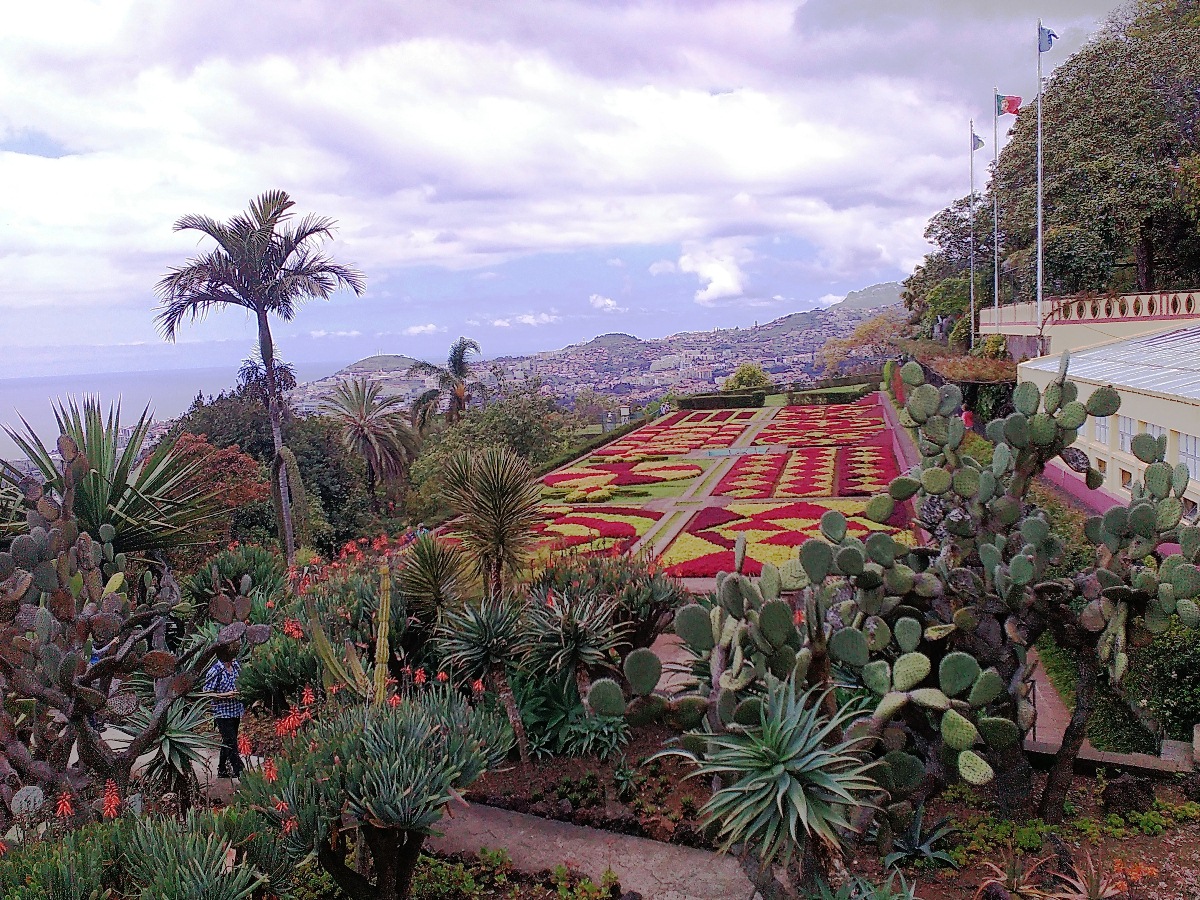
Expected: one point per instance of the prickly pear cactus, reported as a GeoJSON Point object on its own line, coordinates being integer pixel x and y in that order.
{"type": "Point", "coordinates": [72, 629]}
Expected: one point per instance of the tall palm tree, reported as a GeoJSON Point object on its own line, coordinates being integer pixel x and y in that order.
{"type": "Point", "coordinates": [372, 426]}
{"type": "Point", "coordinates": [422, 411]}
{"type": "Point", "coordinates": [452, 378]}
{"type": "Point", "coordinates": [498, 503]}
{"type": "Point", "coordinates": [266, 264]}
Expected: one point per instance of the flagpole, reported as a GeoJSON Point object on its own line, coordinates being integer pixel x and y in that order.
{"type": "Point", "coordinates": [995, 205]}
{"type": "Point", "coordinates": [1039, 175]}
{"type": "Point", "coordinates": [971, 214]}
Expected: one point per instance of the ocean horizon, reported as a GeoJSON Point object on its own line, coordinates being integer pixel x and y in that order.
{"type": "Point", "coordinates": [168, 393]}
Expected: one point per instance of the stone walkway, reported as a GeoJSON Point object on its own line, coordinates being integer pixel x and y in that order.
{"type": "Point", "coordinates": [655, 870]}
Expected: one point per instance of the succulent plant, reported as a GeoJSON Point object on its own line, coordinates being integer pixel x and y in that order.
{"type": "Point", "coordinates": [72, 629]}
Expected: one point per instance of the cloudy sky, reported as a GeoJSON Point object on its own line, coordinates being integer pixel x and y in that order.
{"type": "Point", "coordinates": [530, 173]}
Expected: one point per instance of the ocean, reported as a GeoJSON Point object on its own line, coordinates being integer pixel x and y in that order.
{"type": "Point", "coordinates": [168, 392]}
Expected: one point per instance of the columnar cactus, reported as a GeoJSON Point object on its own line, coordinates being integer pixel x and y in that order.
{"type": "Point", "coordinates": [72, 629]}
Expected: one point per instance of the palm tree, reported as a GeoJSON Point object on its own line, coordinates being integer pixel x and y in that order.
{"type": "Point", "coordinates": [372, 426]}
{"type": "Point", "coordinates": [422, 411]}
{"type": "Point", "coordinates": [267, 265]}
{"type": "Point", "coordinates": [452, 379]}
{"type": "Point", "coordinates": [498, 502]}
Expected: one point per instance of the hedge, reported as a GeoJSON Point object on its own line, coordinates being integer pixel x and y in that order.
{"type": "Point", "coordinates": [723, 400]}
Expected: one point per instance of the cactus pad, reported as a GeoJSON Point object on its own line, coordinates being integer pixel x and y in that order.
{"type": "Point", "coordinates": [1026, 398]}
{"type": "Point", "coordinates": [903, 488]}
{"type": "Point", "coordinates": [957, 672]}
{"type": "Point", "coordinates": [770, 582]}
{"type": "Point", "coordinates": [909, 671]}
{"type": "Point", "coordinates": [974, 768]}
{"type": "Point", "coordinates": [1188, 612]}
{"type": "Point", "coordinates": [605, 698]}
{"type": "Point", "coordinates": [775, 622]}
{"type": "Point", "coordinates": [905, 770]}
{"type": "Point", "coordinates": [1104, 401]}
{"type": "Point", "coordinates": [686, 712]}
{"type": "Point", "coordinates": [643, 669]}
{"type": "Point", "coordinates": [792, 576]}
{"type": "Point", "coordinates": [999, 733]}
{"type": "Point", "coordinates": [833, 526]}
{"type": "Point", "coordinates": [817, 558]}
{"type": "Point", "coordinates": [877, 676]}
{"type": "Point", "coordinates": [988, 686]}
{"type": "Point", "coordinates": [879, 508]}
{"type": "Point", "coordinates": [958, 731]}
{"type": "Point", "coordinates": [907, 632]}
{"type": "Point", "coordinates": [694, 627]}
{"type": "Point", "coordinates": [930, 698]}
{"type": "Point", "coordinates": [936, 480]}
{"type": "Point", "coordinates": [1145, 447]}
{"type": "Point", "coordinates": [849, 645]}
{"type": "Point", "coordinates": [1185, 579]}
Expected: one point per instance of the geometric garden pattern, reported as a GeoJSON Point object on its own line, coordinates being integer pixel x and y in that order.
{"type": "Point", "coordinates": [810, 459]}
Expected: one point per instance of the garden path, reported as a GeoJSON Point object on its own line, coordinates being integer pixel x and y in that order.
{"type": "Point", "coordinates": [655, 870]}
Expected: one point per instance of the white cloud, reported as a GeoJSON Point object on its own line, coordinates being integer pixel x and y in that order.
{"type": "Point", "coordinates": [617, 263]}
{"type": "Point", "coordinates": [501, 323]}
{"type": "Point", "coordinates": [661, 267]}
{"type": "Point", "coordinates": [830, 299]}
{"type": "Point", "coordinates": [718, 266]}
{"type": "Point", "coordinates": [428, 328]}
{"type": "Point", "coordinates": [605, 304]}
{"type": "Point", "coordinates": [537, 319]}
{"type": "Point", "coordinates": [334, 334]}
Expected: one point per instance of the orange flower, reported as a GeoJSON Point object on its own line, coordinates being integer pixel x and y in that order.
{"type": "Point", "coordinates": [443, 677]}
{"type": "Point", "coordinates": [419, 677]}
{"type": "Point", "coordinates": [293, 630]}
{"type": "Point", "coordinates": [64, 808]}
{"type": "Point", "coordinates": [3, 848]}
{"type": "Point", "coordinates": [270, 773]}
{"type": "Point", "coordinates": [477, 686]}
{"type": "Point", "coordinates": [112, 800]}
{"type": "Point", "coordinates": [290, 825]}
{"type": "Point", "coordinates": [308, 697]}
{"type": "Point", "coordinates": [245, 748]}
{"type": "Point", "coordinates": [394, 701]}
{"type": "Point", "coordinates": [281, 805]}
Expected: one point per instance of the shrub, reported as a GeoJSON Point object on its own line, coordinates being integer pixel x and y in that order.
{"type": "Point", "coordinates": [1167, 674]}
{"type": "Point", "coordinates": [646, 597]}
{"type": "Point", "coordinates": [277, 671]}
{"type": "Point", "coordinates": [382, 772]}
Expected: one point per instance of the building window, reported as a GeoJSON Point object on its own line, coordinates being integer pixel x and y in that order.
{"type": "Point", "coordinates": [1101, 431]}
{"type": "Point", "coordinates": [1125, 433]}
{"type": "Point", "coordinates": [1126, 478]}
{"type": "Point", "coordinates": [1102, 466]}
{"type": "Point", "coordinates": [1155, 430]}
{"type": "Point", "coordinates": [1189, 454]}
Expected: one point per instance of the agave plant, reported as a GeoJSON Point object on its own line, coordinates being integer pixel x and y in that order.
{"type": "Point", "coordinates": [182, 745]}
{"type": "Point", "coordinates": [497, 501]}
{"type": "Point", "coordinates": [575, 633]}
{"type": "Point", "coordinates": [1089, 881]}
{"type": "Point", "coordinates": [151, 502]}
{"type": "Point", "coordinates": [1020, 878]}
{"type": "Point", "coordinates": [788, 782]}
{"type": "Point", "coordinates": [859, 888]}
{"type": "Point", "coordinates": [481, 641]}
{"type": "Point", "coordinates": [917, 844]}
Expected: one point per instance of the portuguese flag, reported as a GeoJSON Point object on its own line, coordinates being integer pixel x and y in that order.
{"type": "Point", "coordinates": [1007, 104]}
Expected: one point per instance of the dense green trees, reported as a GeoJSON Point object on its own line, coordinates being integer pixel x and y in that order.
{"type": "Point", "coordinates": [748, 375]}
{"type": "Point", "coordinates": [1121, 164]}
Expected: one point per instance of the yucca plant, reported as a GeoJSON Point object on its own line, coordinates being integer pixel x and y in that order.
{"type": "Point", "coordinates": [919, 844]}
{"type": "Point", "coordinates": [1088, 881]}
{"type": "Point", "coordinates": [151, 502]}
{"type": "Point", "coordinates": [497, 502]}
{"type": "Point", "coordinates": [431, 576]}
{"type": "Point", "coordinates": [575, 633]}
{"type": "Point", "coordinates": [789, 783]}
{"type": "Point", "coordinates": [385, 772]}
{"type": "Point", "coordinates": [480, 641]}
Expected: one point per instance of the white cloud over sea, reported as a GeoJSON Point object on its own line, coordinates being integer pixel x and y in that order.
{"type": "Point", "coordinates": [486, 161]}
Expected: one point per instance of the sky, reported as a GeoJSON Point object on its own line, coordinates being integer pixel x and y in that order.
{"type": "Point", "coordinates": [528, 173]}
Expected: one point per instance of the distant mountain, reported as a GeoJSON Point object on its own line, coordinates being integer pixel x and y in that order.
{"type": "Point", "coordinates": [873, 297]}
{"type": "Point", "coordinates": [387, 362]}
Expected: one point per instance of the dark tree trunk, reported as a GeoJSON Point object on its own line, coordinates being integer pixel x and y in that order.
{"type": "Point", "coordinates": [371, 487]}
{"type": "Point", "coordinates": [1144, 254]}
{"type": "Point", "coordinates": [514, 714]}
{"type": "Point", "coordinates": [1059, 781]}
{"type": "Point", "coordinates": [266, 349]}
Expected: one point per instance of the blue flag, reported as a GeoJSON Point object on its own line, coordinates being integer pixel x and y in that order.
{"type": "Point", "coordinates": [1046, 39]}
{"type": "Point", "coordinates": [976, 142]}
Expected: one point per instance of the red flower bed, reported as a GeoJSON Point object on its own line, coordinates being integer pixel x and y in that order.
{"type": "Point", "coordinates": [682, 432]}
{"type": "Point", "coordinates": [816, 426]}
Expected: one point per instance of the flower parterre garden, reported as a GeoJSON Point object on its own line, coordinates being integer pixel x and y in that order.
{"type": "Point", "coordinates": [773, 533]}
{"type": "Point", "coordinates": [680, 433]}
{"type": "Point", "coordinates": [823, 426]}
{"type": "Point", "coordinates": [600, 529]}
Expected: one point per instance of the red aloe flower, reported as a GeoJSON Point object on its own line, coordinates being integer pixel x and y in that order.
{"type": "Point", "coordinates": [64, 808]}
{"type": "Point", "coordinates": [308, 697]}
{"type": "Point", "coordinates": [270, 773]}
{"type": "Point", "coordinates": [112, 800]}
{"type": "Point", "coordinates": [477, 686]}
{"type": "Point", "coordinates": [419, 677]}
{"type": "Point", "coordinates": [394, 701]}
{"type": "Point", "coordinates": [443, 677]}
{"type": "Point", "coordinates": [245, 748]}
